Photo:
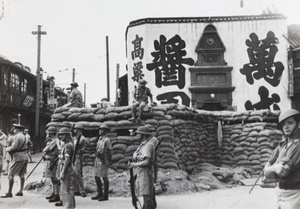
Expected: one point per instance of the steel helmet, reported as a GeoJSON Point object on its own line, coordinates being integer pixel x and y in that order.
{"type": "Point", "coordinates": [64, 130]}
{"type": "Point", "coordinates": [151, 128]}
{"type": "Point", "coordinates": [65, 124]}
{"type": "Point", "coordinates": [287, 113]}
{"type": "Point", "coordinates": [51, 130]}
{"type": "Point", "coordinates": [104, 126]}
{"type": "Point", "coordinates": [143, 130]}
{"type": "Point", "coordinates": [78, 126]}
{"type": "Point", "coordinates": [74, 84]}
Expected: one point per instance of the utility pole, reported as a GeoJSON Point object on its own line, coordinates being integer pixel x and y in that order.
{"type": "Point", "coordinates": [73, 76]}
{"type": "Point", "coordinates": [117, 86]}
{"type": "Point", "coordinates": [38, 80]}
{"type": "Point", "coordinates": [107, 69]}
{"type": "Point", "coordinates": [84, 95]}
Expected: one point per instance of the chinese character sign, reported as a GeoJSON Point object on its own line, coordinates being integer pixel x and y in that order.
{"type": "Point", "coordinates": [168, 62]}
{"type": "Point", "coordinates": [262, 65]}
{"type": "Point", "coordinates": [137, 53]}
{"type": "Point", "coordinates": [261, 55]}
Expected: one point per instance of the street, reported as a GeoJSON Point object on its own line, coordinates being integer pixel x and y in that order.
{"type": "Point", "coordinates": [234, 198]}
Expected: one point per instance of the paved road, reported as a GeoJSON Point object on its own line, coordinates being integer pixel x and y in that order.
{"type": "Point", "coordinates": [234, 198]}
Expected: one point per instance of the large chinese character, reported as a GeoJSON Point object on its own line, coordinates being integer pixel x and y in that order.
{"type": "Point", "coordinates": [171, 97]}
{"type": "Point", "coordinates": [137, 71]}
{"type": "Point", "coordinates": [138, 50]}
{"type": "Point", "coordinates": [265, 100]}
{"type": "Point", "coordinates": [261, 55]}
{"type": "Point", "coordinates": [168, 60]}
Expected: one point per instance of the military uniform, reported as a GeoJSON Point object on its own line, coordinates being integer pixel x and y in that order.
{"type": "Point", "coordinates": [102, 163]}
{"type": "Point", "coordinates": [78, 164]}
{"type": "Point", "coordinates": [145, 173]}
{"type": "Point", "coordinates": [67, 190]}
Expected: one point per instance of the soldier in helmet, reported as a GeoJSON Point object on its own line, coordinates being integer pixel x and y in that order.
{"type": "Point", "coordinates": [284, 163]}
{"type": "Point", "coordinates": [102, 163]}
{"type": "Point", "coordinates": [140, 99]}
{"type": "Point", "coordinates": [142, 160]}
{"type": "Point", "coordinates": [75, 96]}
{"type": "Point", "coordinates": [79, 146]}
{"type": "Point", "coordinates": [66, 168]}
{"type": "Point", "coordinates": [51, 152]}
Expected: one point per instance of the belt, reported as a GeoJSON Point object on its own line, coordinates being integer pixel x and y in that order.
{"type": "Point", "coordinates": [295, 185]}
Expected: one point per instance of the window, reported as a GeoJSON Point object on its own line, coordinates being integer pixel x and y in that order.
{"type": "Point", "coordinates": [5, 79]}
{"type": "Point", "coordinates": [24, 85]}
{"type": "Point", "coordinates": [14, 81]}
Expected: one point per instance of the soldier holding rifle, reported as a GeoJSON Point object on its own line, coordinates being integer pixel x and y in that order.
{"type": "Point", "coordinates": [284, 164]}
{"type": "Point", "coordinates": [142, 159]}
{"type": "Point", "coordinates": [51, 153]}
{"type": "Point", "coordinates": [79, 143]}
{"type": "Point", "coordinates": [66, 168]}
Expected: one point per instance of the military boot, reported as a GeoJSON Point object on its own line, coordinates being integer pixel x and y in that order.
{"type": "Point", "coordinates": [56, 198]}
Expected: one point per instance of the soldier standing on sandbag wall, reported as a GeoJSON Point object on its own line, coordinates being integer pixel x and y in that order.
{"type": "Point", "coordinates": [140, 99]}
{"type": "Point", "coordinates": [79, 145]}
{"type": "Point", "coordinates": [66, 170]}
{"type": "Point", "coordinates": [75, 96]}
{"type": "Point", "coordinates": [142, 159]}
{"type": "Point", "coordinates": [18, 152]}
{"type": "Point", "coordinates": [51, 153]}
{"type": "Point", "coordinates": [284, 164]}
{"type": "Point", "coordinates": [102, 163]}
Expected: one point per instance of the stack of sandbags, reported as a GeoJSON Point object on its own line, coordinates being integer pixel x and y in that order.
{"type": "Point", "coordinates": [190, 136]}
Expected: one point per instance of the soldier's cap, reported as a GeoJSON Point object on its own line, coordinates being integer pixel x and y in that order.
{"type": "Point", "coordinates": [74, 84]}
{"type": "Point", "coordinates": [18, 126]}
{"type": "Point", "coordinates": [64, 130]}
{"type": "Point", "coordinates": [143, 130]}
{"type": "Point", "coordinates": [26, 130]}
{"type": "Point", "coordinates": [142, 82]}
{"type": "Point", "coordinates": [51, 130]}
{"type": "Point", "coordinates": [104, 126]}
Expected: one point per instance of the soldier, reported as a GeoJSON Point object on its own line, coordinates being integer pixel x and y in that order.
{"type": "Point", "coordinates": [51, 155]}
{"type": "Point", "coordinates": [102, 163]}
{"type": "Point", "coordinates": [18, 152]}
{"type": "Point", "coordinates": [79, 143]}
{"type": "Point", "coordinates": [142, 159]}
{"type": "Point", "coordinates": [140, 99]}
{"type": "Point", "coordinates": [66, 174]}
{"type": "Point", "coordinates": [30, 144]}
{"type": "Point", "coordinates": [75, 96]}
{"type": "Point", "coordinates": [284, 164]}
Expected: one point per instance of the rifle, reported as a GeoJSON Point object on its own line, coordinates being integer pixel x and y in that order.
{"type": "Point", "coordinates": [35, 167]}
{"type": "Point", "coordinates": [260, 175]}
{"type": "Point", "coordinates": [53, 163]}
{"type": "Point", "coordinates": [132, 188]}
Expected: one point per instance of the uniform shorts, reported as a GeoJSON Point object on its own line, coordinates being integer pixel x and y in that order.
{"type": "Point", "coordinates": [18, 168]}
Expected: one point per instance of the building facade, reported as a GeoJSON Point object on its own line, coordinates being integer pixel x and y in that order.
{"type": "Point", "coordinates": [18, 99]}
{"type": "Point", "coordinates": [213, 63]}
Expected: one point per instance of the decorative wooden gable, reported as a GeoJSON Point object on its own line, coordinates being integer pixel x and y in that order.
{"type": "Point", "coordinates": [210, 48]}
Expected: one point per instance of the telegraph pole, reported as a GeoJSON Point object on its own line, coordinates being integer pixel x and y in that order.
{"type": "Point", "coordinates": [117, 85]}
{"type": "Point", "coordinates": [107, 70]}
{"type": "Point", "coordinates": [38, 79]}
{"type": "Point", "coordinates": [73, 76]}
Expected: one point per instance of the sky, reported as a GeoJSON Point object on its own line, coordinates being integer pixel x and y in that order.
{"type": "Point", "coordinates": [77, 31]}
